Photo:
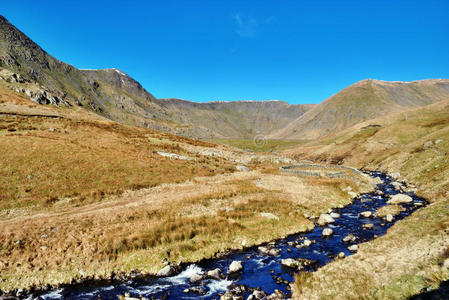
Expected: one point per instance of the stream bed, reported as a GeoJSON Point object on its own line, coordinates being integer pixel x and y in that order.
{"type": "Point", "coordinates": [261, 271]}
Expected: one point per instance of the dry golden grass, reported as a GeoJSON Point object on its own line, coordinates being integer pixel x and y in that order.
{"type": "Point", "coordinates": [47, 160]}
{"type": "Point", "coordinates": [191, 220]}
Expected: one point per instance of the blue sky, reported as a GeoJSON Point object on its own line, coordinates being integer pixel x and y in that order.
{"type": "Point", "coordinates": [296, 51]}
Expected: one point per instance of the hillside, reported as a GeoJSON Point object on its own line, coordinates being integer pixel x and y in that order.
{"type": "Point", "coordinates": [113, 94]}
{"type": "Point", "coordinates": [85, 197]}
{"type": "Point", "coordinates": [362, 101]}
{"type": "Point", "coordinates": [414, 144]}
{"type": "Point", "coordinates": [236, 119]}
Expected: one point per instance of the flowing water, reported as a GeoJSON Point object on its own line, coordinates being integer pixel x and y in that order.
{"type": "Point", "coordinates": [260, 270]}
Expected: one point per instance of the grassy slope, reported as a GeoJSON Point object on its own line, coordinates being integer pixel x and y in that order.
{"type": "Point", "coordinates": [261, 145]}
{"type": "Point", "coordinates": [83, 196]}
{"type": "Point", "coordinates": [237, 119]}
{"type": "Point", "coordinates": [409, 257]}
{"type": "Point", "coordinates": [362, 101]}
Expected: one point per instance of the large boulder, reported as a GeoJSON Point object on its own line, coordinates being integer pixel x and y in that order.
{"type": "Point", "coordinates": [399, 199]}
{"type": "Point", "coordinates": [214, 274]}
{"type": "Point", "coordinates": [366, 214]}
{"type": "Point", "coordinates": [235, 266]}
{"type": "Point", "coordinates": [168, 270]}
{"type": "Point", "coordinates": [325, 219]}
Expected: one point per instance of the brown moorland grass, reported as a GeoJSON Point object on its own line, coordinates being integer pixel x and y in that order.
{"type": "Point", "coordinates": [47, 160]}
{"type": "Point", "coordinates": [136, 230]}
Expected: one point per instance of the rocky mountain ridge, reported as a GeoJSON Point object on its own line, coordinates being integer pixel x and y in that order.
{"type": "Point", "coordinates": [115, 95]}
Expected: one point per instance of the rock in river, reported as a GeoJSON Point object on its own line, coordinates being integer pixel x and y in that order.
{"type": "Point", "coordinates": [214, 274]}
{"type": "Point", "coordinates": [235, 266]}
{"type": "Point", "coordinates": [400, 198]}
{"type": "Point", "coordinates": [166, 271]}
{"type": "Point", "coordinates": [389, 218]}
{"type": "Point", "coordinates": [325, 219]}
{"type": "Point", "coordinates": [366, 214]}
{"type": "Point", "coordinates": [349, 238]}
{"type": "Point", "coordinates": [290, 263]}
{"type": "Point", "coordinates": [335, 215]}
{"type": "Point", "coordinates": [327, 232]}
{"type": "Point", "coordinates": [353, 248]}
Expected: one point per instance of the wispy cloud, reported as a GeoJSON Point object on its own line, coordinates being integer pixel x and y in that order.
{"type": "Point", "coordinates": [246, 26]}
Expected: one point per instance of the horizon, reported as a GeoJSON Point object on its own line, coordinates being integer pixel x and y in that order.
{"type": "Point", "coordinates": [229, 51]}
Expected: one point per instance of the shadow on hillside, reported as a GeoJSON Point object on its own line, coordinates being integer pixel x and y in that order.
{"type": "Point", "coordinates": [441, 293]}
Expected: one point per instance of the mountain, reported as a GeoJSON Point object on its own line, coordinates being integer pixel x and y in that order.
{"type": "Point", "coordinates": [244, 119]}
{"type": "Point", "coordinates": [115, 95]}
{"type": "Point", "coordinates": [364, 100]}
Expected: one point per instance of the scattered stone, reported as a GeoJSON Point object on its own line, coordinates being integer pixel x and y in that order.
{"type": "Point", "coordinates": [341, 255]}
{"type": "Point", "coordinates": [400, 198]}
{"type": "Point", "coordinates": [389, 218]}
{"type": "Point", "coordinates": [438, 141]}
{"type": "Point", "coordinates": [397, 185]}
{"type": "Point", "coordinates": [214, 274]}
{"type": "Point", "coordinates": [325, 219]}
{"type": "Point", "coordinates": [307, 243]}
{"type": "Point", "coordinates": [235, 266]}
{"type": "Point", "coordinates": [166, 271]}
{"type": "Point", "coordinates": [335, 215]}
{"type": "Point", "coordinates": [196, 278]}
{"type": "Point", "coordinates": [349, 238]}
{"type": "Point", "coordinates": [173, 155]}
{"type": "Point", "coordinates": [352, 194]}
{"type": "Point", "coordinates": [269, 216]}
{"type": "Point", "coordinates": [366, 214]}
{"type": "Point", "coordinates": [395, 175]}
{"type": "Point", "coordinates": [257, 295]}
{"type": "Point", "coordinates": [44, 235]}
{"type": "Point", "coordinates": [353, 248]}
{"type": "Point", "coordinates": [327, 231]}
{"type": "Point", "coordinates": [242, 168]}
{"type": "Point", "coordinates": [244, 243]}
{"type": "Point", "coordinates": [427, 144]}
{"type": "Point", "coordinates": [274, 252]}
{"type": "Point", "coordinates": [368, 226]}
{"type": "Point", "coordinates": [290, 263]}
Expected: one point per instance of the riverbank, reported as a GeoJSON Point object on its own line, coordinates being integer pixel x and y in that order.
{"type": "Point", "coordinates": [138, 231]}
{"type": "Point", "coordinates": [266, 269]}
{"type": "Point", "coordinates": [413, 255]}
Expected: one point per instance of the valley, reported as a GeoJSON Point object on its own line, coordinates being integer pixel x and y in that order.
{"type": "Point", "coordinates": [108, 192]}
